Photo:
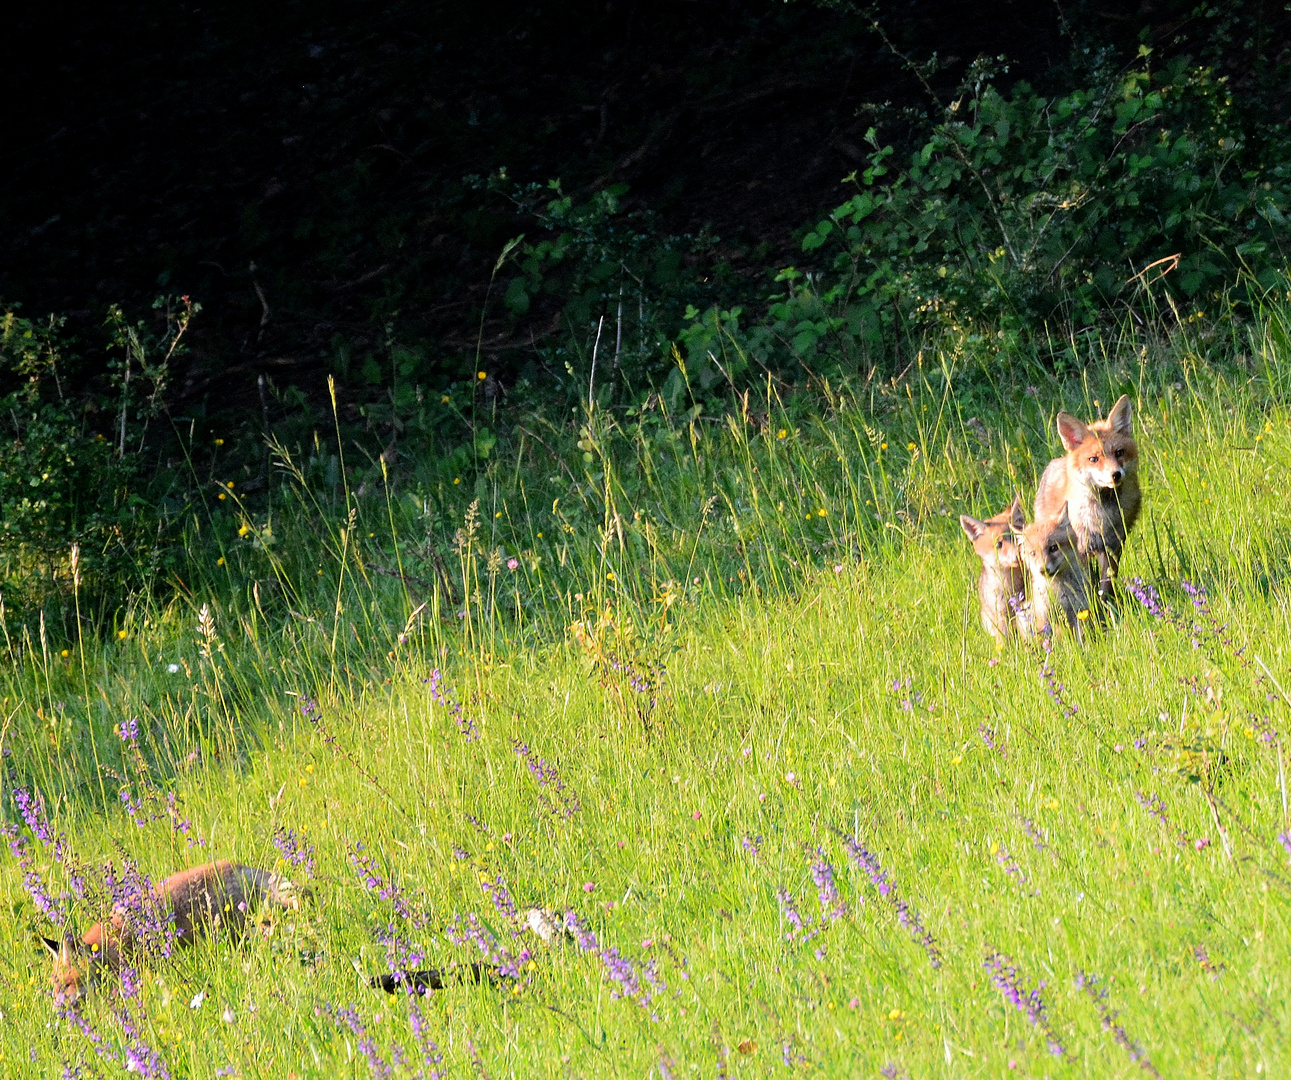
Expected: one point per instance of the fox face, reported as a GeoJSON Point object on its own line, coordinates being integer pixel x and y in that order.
{"type": "Point", "coordinates": [996, 540]}
{"type": "Point", "coordinates": [1049, 547]}
{"type": "Point", "coordinates": [76, 969]}
{"type": "Point", "coordinates": [1102, 454]}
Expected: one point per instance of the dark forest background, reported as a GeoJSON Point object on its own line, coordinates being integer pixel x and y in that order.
{"type": "Point", "coordinates": [339, 186]}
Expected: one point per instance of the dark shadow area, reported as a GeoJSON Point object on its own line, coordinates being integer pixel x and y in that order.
{"type": "Point", "coordinates": [173, 147]}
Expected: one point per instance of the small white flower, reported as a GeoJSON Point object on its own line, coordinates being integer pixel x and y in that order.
{"type": "Point", "coordinates": [173, 668]}
{"type": "Point", "coordinates": [196, 1003]}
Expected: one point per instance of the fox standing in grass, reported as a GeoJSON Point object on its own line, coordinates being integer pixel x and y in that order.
{"type": "Point", "coordinates": [1098, 482]}
{"type": "Point", "coordinates": [1002, 581]}
{"type": "Point", "coordinates": [197, 900]}
{"type": "Point", "coordinates": [1059, 573]}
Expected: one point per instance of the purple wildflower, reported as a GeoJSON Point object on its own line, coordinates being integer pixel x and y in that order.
{"type": "Point", "coordinates": [988, 737]}
{"type": "Point", "coordinates": [1156, 809]}
{"type": "Point", "coordinates": [666, 1065]}
{"type": "Point", "coordinates": [1051, 684]}
{"type": "Point", "coordinates": [621, 970]}
{"type": "Point", "coordinates": [1007, 980]}
{"type": "Point", "coordinates": [502, 900]}
{"type": "Point", "coordinates": [1035, 834]}
{"type": "Point", "coordinates": [584, 936]}
{"type": "Point", "coordinates": [1146, 595]}
{"type": "Point", "coordinates": [401, 955]}
{"type": "Point", "coordinates": [1010, 865]}
{"type": "Point", "coordinates": [554, 797]}
{"type": "Point", "coordinates": [1285, 840]}
{"type": "Point", "coordinates": [32, 808]}
{"type": "Point", "coordinates": [912, 699]}
{"type": "Point", "coordinates": [431, 1058]}
{"type": "Point", "coordinates": [72, 1017]}
{"type": "Point", "coordinates": [349, 1018]}
{"type": "Point", "coordinates": [460, 853]}
{"type": "Point", "coordinates": [906, 915]}
{"type": "Point", "coordinates": [1107, 1017]}
{"type": "Point", "coordinates": [139, 1057]}
{"type": "Point", "coordinates": [752, 845]}
{"type": "Point", "coordinates": [181, 824]}
{"type": "Point", "coordinates": [128, 730]}
{"type": "Point", "coordinates": [790, 914]}
{"type": "Point", "coordinates": [469, 929]}
{"type": "Point", "coordinates": [470, 731]}
{"type": "Point", "coordinates": [832, 904]}
{"type": "Point", "coordinates": [31, 879]}
{"type": "Point", "coordinates": [1202, 956]}
{"type": "Point", "coordinates": [366, 868]}
{"type": "Point", "coordinates": [147, 916]}
{"type": "Point", "coordinates": [295, 849]}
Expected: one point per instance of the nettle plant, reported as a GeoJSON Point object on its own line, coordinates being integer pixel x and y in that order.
{"type": "Point", "coordinates": [72, 448]}
{"type": "Point", "coordinates": [1023, 213]}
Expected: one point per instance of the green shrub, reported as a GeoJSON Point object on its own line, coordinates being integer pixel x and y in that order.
{"type": "Point", "coordinates": [74, 472]}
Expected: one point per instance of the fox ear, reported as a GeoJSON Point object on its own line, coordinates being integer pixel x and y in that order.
{"type": "Point", "coordinates": [1017, 516]}
{"type": "Point", "coordinates": [1064, 519]}
{"type": "Point", "coordinates": [971, 526]}
{"type": "Point", "coordinates": [1071, 431]}
{"type": "Point", "coordinates": [1121, 419]}
{"type": "Point", "coordinates": [51, 946]}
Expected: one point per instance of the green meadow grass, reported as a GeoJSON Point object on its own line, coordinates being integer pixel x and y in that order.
{"type": "Point", "coordinates": [1110, 809]}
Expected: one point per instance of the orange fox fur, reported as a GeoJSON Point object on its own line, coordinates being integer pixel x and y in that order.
{"type": "Point", "coordinates": [201, 897]}
{"type": "Point", "coordinates": [1098, 481]}
{"type": "Point", "coordinates": [1059, 573]}
{"type": "Point", "coordinates": [1002, 579]}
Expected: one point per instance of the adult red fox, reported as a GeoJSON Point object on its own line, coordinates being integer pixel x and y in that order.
{"type": "Point", "coordinates": [1001, 584]}
{"type": "Point", "coordinates": [1098, 481]}
{"type": "Point", "coordinates": [197, 899]}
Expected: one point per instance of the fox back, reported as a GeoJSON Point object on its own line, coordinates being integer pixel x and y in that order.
{"type": "Point", "coordinates": [1097, 479]}
{"type": "Point", "coordinates": [1002, 581]}
{"type": "Point", "coordinates": [1059, 572]}
{"type": "Point", "coordinates": [194, 901]}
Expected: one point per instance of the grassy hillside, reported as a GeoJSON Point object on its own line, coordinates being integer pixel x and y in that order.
{"type": "Point", "coordinates": [729, 704]}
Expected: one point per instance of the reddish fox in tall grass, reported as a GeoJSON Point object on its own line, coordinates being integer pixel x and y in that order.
{"type": "Point", "coordinates": [1059, 573]}
{"type": "Point", "coordinates": [1003, 580]}
{"type": "Point", "coordinates": [197, 899]}
{"type": "Point", "coordinates": [1098, 481]}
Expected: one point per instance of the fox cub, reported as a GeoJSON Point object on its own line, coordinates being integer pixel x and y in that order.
{"type": "Point", "coordinates": [1098, 482]}
{"type": "Point", "coordinates": [1059, 573]}
{"type": "Point", "coordinates": [199, 898]}
{"type": "Point", "coordinates": [1000, 587]}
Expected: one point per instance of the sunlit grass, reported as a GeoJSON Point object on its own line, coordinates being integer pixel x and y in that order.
{"type": "Point", "coordinates": [718, 737]}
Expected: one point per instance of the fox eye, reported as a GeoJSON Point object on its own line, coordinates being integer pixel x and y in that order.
{"type": "Point", "coordinates": [1120, 454]}
{"type": "Point", "coordinates": [1093, 459]}
{"type": "Point", "coordinates": [1053, 549]}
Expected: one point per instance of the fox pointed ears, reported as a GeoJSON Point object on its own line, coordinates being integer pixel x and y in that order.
{"type": "Point", "coordinates": [59, 950]}
{"type": "Point", "coordinates": [1017, 516]}
{"type": "Point", "coordinates": [973, 528]}
{"type": "Point", "coordinates": [1064, 519]}
{"type": "Point", "coordinates": [1071, 431]}
{"type": "Point", "coordinates": [1121, 418]}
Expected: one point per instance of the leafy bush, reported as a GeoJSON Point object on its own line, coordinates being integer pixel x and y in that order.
{"type": "Point", "coordinates": [1023, 215]}
{"type": "Point", "coordinates": [72, 471]}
